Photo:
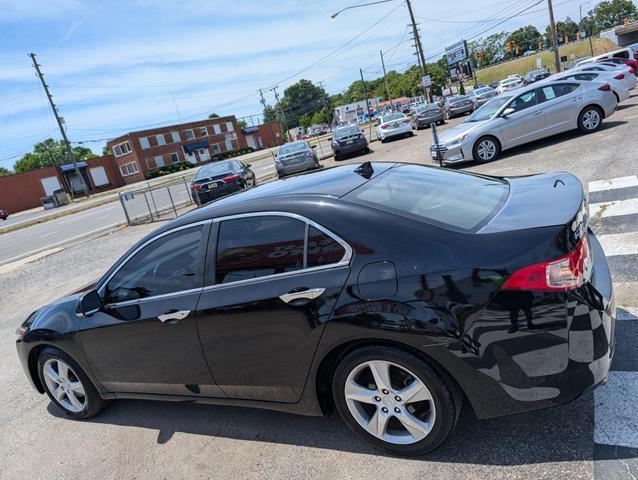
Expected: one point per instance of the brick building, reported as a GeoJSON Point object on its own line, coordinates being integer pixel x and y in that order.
{"type": "Point", "coordinates": [22, 191]}
{"type": "Point", "coordinates": [138, 152]}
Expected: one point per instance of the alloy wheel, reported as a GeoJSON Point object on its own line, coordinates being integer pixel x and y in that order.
{"type": "Point", "coordinates": [390, 402]}
{"type": "Point", "coordinates": [591, 119]}
{"type": "Point", "coordinates": [486, 150]}
{"type": "Point", "coordinates": [64, 384]}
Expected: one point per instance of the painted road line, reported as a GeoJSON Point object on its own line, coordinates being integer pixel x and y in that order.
{"type": "Point", "coordinates": [619, 243]}
{"type": "Point", "coordinates": [613, 209]}
{"type": "Point", "coordinates": [612, 183]}
{"type": "Point", "coordinates": [616, 410]}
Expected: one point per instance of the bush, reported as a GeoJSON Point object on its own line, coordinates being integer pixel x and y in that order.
{"type": "Point", "coordinates": [234, 153]}
{"type": "Point", "coordinates": [166, 169]}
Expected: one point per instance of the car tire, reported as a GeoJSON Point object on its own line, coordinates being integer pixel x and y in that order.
{"type": "Point", "coordinates": [442, 122]}
{"type": "Point", "coordinates": [590, 119]}
{"type": "Point", "coordinates": [382, 140]}
{"type": "Point", "coordinates": [75, 396]}
{"type": "Point", "coordinates": [337, 157]}
{"type": "Point", "coordinates": [486, 149]}
{"type": "Point", "coordinates": [431, 418]}
{"type": "Point", "coordinates": [410, 134]}
{"type": "Point", "coordinates": [365, 150]}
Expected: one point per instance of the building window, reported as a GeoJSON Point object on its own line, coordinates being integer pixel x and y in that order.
{"type": "Point", "coordinates": [159, 161]}
{"type": "Point", "coordinates": [190, 134]}
{"type": "Point", "coordinates": [160, 139]}
{"type": "Point", "coordinates": [175, 137]}
{"type": "Point", "coordinates": [230, 127]}
{"type": "Point", "coordinates": [203, 132]}
{"type": "Point", "coordinates": [217, 129]}
{"type": "Point", "coordinates": [215, 147]}
{"type": "Point", "coordinates": [229, 145]}
{"type": "Point", "coordinates": [121, 149]}
{"type": "Point", "coordinates": [129, 169]}
{"type": "Point", "coordinates": [174, 157]}
{"type": "Point", "coordinates": [144, 143]}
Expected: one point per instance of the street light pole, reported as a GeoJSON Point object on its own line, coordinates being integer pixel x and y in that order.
{"type": "Point", "coordinates": [385, 79]}
{"type": "Point", "coordinates": [552, 27]}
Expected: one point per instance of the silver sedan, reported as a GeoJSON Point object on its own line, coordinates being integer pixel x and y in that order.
{"type": "Point", "coordinates": [525, 115]}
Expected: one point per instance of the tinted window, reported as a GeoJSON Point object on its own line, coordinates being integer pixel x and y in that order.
{"type": "Point", "coordinates": [169, 264]}
{"type": "Point", "coordinates": [214, 169]}
{"type": "Point", "coordinates": [583, 76]}
{"type": "Point", "coordinates": [254, 247]}
{"type": "Point", "coordinates": [441, 197]}
{"type": "Point", "coordinates": [323, 249]}
{"type": "Point", "coordinates": [527, 100]}
{"type": "Point", "coordinates": [346, 132]}
{"type": "Point", "coordinates": [292, 147]}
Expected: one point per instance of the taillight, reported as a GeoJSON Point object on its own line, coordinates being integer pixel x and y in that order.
{"type": "Point", "coordinates": [420, 117]}
{"type": "Point", "coordinates": [407, 120]}
{"type": "Point", "coordinates": [605, 88]}
{"type": "Point", "coordinates": [632, 71]}
{"type": "Point", "coordinates": [620, 76]}
{"type": "Point", "coordinates": [559, 275]}
{"type": "Point", "coordinates": [231, 178]}
{"type": "Point", "coordinates": [196, 186]}
{"type": "Point", "coordinates": [384, 125]}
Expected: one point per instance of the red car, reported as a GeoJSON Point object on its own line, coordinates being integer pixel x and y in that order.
{"type": "Point", "coordinates": [3, 214]}
{"type": "Point", "coordinates": [630, 62]}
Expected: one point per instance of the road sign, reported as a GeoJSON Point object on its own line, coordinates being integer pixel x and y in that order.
{"type": "Point", "coordinates": [456, 53]}
{"type": "Point", "coordinates": [426, 81]}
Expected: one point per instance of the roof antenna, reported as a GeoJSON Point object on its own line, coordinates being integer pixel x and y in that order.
{"type": "Point", "coordinates": [365, 170]}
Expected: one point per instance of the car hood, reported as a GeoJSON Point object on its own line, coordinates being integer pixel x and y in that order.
{"type": "Point", "coordinates": [56, 318]}
{"type": "Point", "coordinates": [461, 129]}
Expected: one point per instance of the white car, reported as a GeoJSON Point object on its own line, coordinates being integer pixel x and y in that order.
{"type": "Point", "coordinates": [626, 52]}
{"type": "Point", "coordinates": [393, 125]}
{"type": "Point", "coordinates": [615, 80]}
{"type": "Point", "coordinates": [629, 75]}
{"type": "Point", "coordinates": [510, 83]}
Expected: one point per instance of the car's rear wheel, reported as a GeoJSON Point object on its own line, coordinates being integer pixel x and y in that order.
{"type": "Point", "coordinates": [68, 387]}
{"type": "Point", "coordinates": [590, 119]}
{"type": "Point", "coordinates": [486, 149]}
{"type": "Point", "coordinates": [394, 400]}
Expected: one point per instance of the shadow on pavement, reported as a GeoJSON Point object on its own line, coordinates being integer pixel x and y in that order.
{"type": "Point", "coordinates": [561, 434]}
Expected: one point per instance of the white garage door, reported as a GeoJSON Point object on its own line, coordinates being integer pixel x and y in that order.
{"type": "Point", "coordinates": [50, 185]}
{"type": "Point", "coordinates": [99, 176]}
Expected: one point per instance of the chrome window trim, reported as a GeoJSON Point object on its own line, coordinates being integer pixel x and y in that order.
{"type": "Point", "coordinates": [102, 282]}
{"type": "Point", "coordinates": [345, 260]}
{"type": "Point", "coordinates": [137, 301]}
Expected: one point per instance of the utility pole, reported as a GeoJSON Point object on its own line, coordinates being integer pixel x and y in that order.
{"type": "Point", "coordinates": [60, 125]}
{"type": "Point", "coordinates": [580, 24]}
{"type": "Point", "coordinates": [552, 27]}
{"type": "Point", "coordinates": [385, 79]}
{"type": "Point", "coordinates": [365, 94]}
{"type": "Point", "coordinates": [272, 134]}
{"type": "Point", "coordinates": [419, 46]}
{"type": "Point", "coordinates": [281, 110]}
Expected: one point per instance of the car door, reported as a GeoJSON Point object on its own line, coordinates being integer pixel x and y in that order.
{"type": "Point", "coordinates": [144, 339]}
{"type": "Point", "coordinates": [562, 103]}
{"type": "Point", "coordinates": [274, 279]}
{"type": "Point", "coordinates": [526, 122]}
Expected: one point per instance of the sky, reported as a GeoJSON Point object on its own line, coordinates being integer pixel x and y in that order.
{"type": "Point", "coordinates": [118, 66]}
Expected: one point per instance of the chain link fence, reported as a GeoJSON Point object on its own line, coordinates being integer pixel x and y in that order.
{"type": "Point", "coordinates": [156, 202]}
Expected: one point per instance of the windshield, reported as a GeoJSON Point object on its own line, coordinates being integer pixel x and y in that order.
{"type": "Point", "coordinates": [392, 116]}
{"type": "Point", "coordinates": [292, 148]}
{"type": "Point", "coordinates": [214, 169]}
{"type": "Point", "coordinates": [488, 110]}
{"type": "Point", "coordinates": [346, 132]}
{"type": "Point", "coordinates": [479, 91]}
{"type": "Point", "coordinates": [510, 81]}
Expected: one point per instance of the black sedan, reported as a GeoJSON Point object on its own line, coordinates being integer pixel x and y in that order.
{"type": "Point", "coordinates": [348, 139]}
{"type": "Point", "coordinates": [219, 179]}
{"type": "Point", "coordinates": [389, 292]}
{"type": "Point", "coordinates": [3, 214]}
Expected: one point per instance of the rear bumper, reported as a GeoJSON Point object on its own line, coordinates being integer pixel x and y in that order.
{"type": "Point", "coordinates": [459, 111]}
{"type": "Point", "coordinates": [218, 192]}
{"type": "Point", "coordinates": [426, 121]}
{"type": "Point", "coordinates": [296, 168]}
{"type": "Point", "coordinates": [349, 148]}
{"type": "Point", "coordinates": [395, 132]}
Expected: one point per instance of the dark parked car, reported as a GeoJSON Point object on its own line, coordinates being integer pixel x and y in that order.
{"type": "Point", "coordinates": [389, 292]}
{"type": "Point", "coordinates": [347, 140]}
{"type": "Point", "coordinates": [4, 214]}
{"type": "Point", "coordinates": [219, 179]}
{"type": "Point", "coordinates": [295, 157]}
{"type": "Point", "coordinates": [423, 115]}
{"type": "Point", "coordinates": [459, 105]}
{"type": "Point", "coordinates": [536, 75]}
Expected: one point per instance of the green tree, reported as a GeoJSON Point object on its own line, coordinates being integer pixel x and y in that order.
{"type": "Point", "coordinates": [49, 153]}
{"type": "Point", "coordinates": [302, 98]}
{"type": "Point", "coordinates": [525, 38]}
{"type": "Point", "coordinates": [213, 115]}
{"type": "Point", "coordinates": [568, 29]}
{"type": "Point", "coordinates": [461, 89]}
{"type": "Point", "coordinates": [611, 13]}
{"type": "Point", "coordinates": [4, 172]}
{"type": "Point", "coordinates": [241, 123]}
{"type": "Point", "coordinates": [492, 47]}
{"type": "Point", "coordinates": [270, 115]}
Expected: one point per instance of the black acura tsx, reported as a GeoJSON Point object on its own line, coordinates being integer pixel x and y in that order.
{"type": "Point", "coordinates": [389, 292]}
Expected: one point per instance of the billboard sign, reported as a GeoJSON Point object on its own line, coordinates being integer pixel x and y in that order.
{"type": "Point", "coordinates": [456, 53]}
{"type": "Point", "coordinates": [426, 81]}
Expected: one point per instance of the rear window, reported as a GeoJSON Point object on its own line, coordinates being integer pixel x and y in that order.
{"type": "Point", "coordinates": [444, 198]}
{"type": "Point", "coordinates": [392, 116]}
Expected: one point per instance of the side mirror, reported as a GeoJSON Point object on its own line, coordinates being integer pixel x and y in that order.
{"type": "Point", "coordinates": [507, 111]}
{"type": "Point", "coordinates": [248, 165]}
{"type": "Point", "coordinates": [90, 303]}
{"type": "Point", "coordinates": [313, 146]}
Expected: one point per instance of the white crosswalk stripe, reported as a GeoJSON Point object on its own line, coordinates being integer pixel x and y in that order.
{"type": "Point", "coordinates": [614, 219]}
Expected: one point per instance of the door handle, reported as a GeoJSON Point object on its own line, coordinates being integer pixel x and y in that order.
{"type": "Point", "coordinates": [537, 113]}
{"type": "Point", "coordinates": [176, 315]}
{"type": "Point", "coordinates": [307, 294]}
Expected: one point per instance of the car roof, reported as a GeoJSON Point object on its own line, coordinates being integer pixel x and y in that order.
{"type": "Point", "coordinates": [331, 182]}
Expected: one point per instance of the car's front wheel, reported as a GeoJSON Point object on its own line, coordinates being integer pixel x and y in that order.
{"type": "Point", "coordinates": [394, 400]}
{"type": "Point", "coordinates": [68, 387]}
{"type": "Point", "coordinates": [590, 119]}
{"type": "Point", "coordinates": [486, 149]}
